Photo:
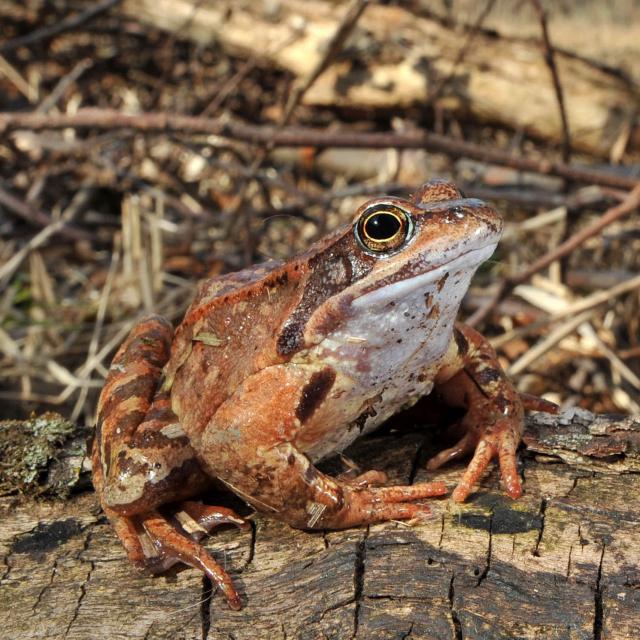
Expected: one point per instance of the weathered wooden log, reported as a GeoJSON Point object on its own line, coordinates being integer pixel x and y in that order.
{"type": "Point", "coordinates": [561, 562]}
{"type": "Point", "coordinates": [397, 59]}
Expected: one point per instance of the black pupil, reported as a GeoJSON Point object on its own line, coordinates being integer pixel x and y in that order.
{"type": "Point", "coordinates": [382, 226]}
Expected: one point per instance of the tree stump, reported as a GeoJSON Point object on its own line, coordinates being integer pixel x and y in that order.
{"type": "Point", "coordinates": [561, 562]}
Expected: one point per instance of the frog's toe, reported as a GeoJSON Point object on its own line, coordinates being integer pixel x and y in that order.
{"type": "Point", "coordinates": [463, 447]}
{"type": "Point", "coordinates": [501, 444]}
{"type": "Point", "coordinates": [367, 479]}
{"type": "Point", "coordinates": [407, 492]}
{"type": "Point", "coordinates": [364, 509]}
{"type": "Point", "coordinates": [198, 519]}
{"type": "Point", "coordinates": [535, 403]}
{"type": "Point", "coordinates": [480, 461]}
{"type": "Point", "coordinates": [509, 471]}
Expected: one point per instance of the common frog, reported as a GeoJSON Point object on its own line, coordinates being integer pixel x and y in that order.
{"type": "Point", "coordinates": [276, 367]}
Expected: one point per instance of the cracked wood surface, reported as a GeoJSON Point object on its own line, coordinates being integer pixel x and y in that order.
{"type": "Point", "coordinates": [561, 562]}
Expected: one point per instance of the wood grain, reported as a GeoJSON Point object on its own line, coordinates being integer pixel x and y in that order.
{"type": "Point", "coordinates": [561, 562]}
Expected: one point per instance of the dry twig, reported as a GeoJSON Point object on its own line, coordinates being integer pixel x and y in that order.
{"type": "Point", "coordinates": [51, 31]}
{"type": "Point", "coordinates": [37, 217]}
{"type": "Point", "coordinates": [550, 59]}
{"type": "Point", "coordinates": [627, 206]}
{"type": "Point", "coordinates": [106, 119]}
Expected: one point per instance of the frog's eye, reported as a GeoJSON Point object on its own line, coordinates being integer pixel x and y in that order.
{"type": "Point", "coordinates": [383, 229]}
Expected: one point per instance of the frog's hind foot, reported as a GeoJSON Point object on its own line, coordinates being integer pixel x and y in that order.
{"type": "Point", "coordinates": [173, 543]}
{"type": "Point", "coordinates": [371, 478]}
{"type": "Point", "coordinates": [155, 543]}
{"type": "Point", "coordinates": [380, 504]}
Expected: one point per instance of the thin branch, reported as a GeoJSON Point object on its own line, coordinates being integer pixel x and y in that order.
{"type": "Point", "coordinates": [51, 31]}
{"type": "Point", "coordinates": [548, 342]}
{"type": "Point", "coordinates": [63, 84]}
{"type": "Point", "coordinates": [37, 217]}
{"type": "Point", "coordinates": [303, 137]}
{"type": "Point", "coordinates": [462, 52]}
{"type": "Point", "coordinates": [583, 304]}
{"type": "Point", "coordinates": [333, 48]}
{"type": "Point", "coordinates": [627, 206]}
{"type": "Point", "coordinates": [8, 268]}
{"type": "Point", "coordinates": [550, 59]}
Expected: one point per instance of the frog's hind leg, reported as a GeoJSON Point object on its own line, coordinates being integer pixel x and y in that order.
{"type": "Point", "coordinates": [251, 445]}
{"type": "Point", "coordinates": [142, 459]}
{"type": "Point", "coordinates": [535, 403]}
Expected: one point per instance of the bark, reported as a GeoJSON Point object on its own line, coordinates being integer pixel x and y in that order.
{"type": "Point", "coordinates": [561, 562]}
{"type": "Point", "coordinates": [395, 59]}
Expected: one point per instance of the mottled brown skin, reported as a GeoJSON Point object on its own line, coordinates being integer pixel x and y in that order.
{"type": "Point", "coordinates": [275, 367]}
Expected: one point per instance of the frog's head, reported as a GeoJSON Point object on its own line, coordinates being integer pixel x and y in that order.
{"type": "Point", "coordinates": [399, 263]}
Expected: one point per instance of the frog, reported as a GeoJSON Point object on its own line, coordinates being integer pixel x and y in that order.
{"type": "Point", "coordinates": [277, 367]}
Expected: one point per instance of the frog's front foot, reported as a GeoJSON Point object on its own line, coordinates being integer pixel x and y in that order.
{"type": "Point", "coordinates": [491, 430]}
{"type": "Point", "coordinates": [500, 440]}
{"type": "Point", "coordinates": [472, 378]}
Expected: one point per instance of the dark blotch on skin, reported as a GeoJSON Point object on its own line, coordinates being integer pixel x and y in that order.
{"type": "Point", "coordinates": [331, 270]}
{"type": "Point", "coordinates": [278, 280]}
{"type": "Point", "coordinates": [128, 425]}
{"type": "Point", "coordinates": [487, 376]}
{"type": "Point", "coordinates": [129, 467]}
{"type": "Point", "coordinates": [290, 338]}
{"type": "Point", "coordinates": [180, 484]}
{"type": "Point", "coordinates": [149, 439]}
{"type": "Point", "coordinates": [442, 281]}
{"type": "Point", "coordinates": [311, 474]}
{"type": "Point", "coordinates": [160, 414]}
{"type": "Point", "coordinates": [142, 386]}
{"type": "Point", "coordinates": [314, 392]}
{"type": "Point", "coordinates": [369, 412]}
{"type": "Point", "coordinates": [461, 341]}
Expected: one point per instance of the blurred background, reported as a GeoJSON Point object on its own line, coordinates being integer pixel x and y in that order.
{"type": "Point", "coordinates": [145, 145]}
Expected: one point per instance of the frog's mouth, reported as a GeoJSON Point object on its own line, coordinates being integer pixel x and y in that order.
{"type": "Point", "coordinates": [409, 279]}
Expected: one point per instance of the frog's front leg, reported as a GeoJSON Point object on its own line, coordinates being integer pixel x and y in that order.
{"type": "Point", "coordinates": [142, 459]}
{"type": "Point", "coordinates": [252, 444]}
{"type": "Point", "coordinates": [472, 377]}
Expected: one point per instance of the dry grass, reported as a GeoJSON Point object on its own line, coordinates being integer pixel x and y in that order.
{"type": "Point", "coordinates": [153, 213]}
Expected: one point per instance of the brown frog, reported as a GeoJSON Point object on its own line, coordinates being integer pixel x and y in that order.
{"type": "Point", "coordinates": [276, 367]}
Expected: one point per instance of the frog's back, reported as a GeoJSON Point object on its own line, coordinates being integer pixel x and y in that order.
{"type": "Point", "coordinates": [229, 331]}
